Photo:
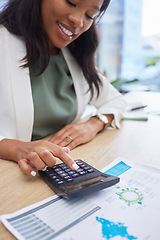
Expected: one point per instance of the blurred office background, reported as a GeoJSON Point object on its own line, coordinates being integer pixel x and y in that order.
{"type": "Point", "coordinates": [129, 51]}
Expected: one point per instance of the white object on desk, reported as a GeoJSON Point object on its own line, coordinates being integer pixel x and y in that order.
{"type": "Point", "coordinates": [134, 101]}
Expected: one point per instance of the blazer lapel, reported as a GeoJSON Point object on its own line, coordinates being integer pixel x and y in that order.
{"type": "Point", "coordinates": [21, 88]}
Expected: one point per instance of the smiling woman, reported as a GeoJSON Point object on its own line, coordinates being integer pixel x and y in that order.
{"type": "Point", "coordinates": [47, 50]}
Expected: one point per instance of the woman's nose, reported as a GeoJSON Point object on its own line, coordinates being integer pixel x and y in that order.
{"type": "Point", "coordinates": [76, 19]}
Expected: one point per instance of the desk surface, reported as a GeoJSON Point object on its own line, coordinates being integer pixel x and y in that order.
{"type": "Point", "coordinates": [137, 141]}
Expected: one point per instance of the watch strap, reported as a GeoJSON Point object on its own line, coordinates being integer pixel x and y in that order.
{"type": "Point", "coordinates": [100, 118]}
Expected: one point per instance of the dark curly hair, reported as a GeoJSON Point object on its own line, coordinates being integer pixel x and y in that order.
{"type": "Point", "coordinates": [23, 18]}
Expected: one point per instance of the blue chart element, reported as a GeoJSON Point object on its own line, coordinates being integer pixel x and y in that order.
{"type": "Point", "coordinates": [111, 229]}
{"type": "Point", "coordinates": [118, 169]}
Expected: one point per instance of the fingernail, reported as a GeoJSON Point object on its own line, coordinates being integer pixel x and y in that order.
{"type": "Point", "coordinates": [33, 173]}
{"type": "Point", "coordinates": [44, 169]}
{"type": "Point", "coordinates": [75, 166]}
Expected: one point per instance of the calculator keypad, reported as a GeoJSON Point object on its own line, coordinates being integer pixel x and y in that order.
{"type": "Point", "coordinates": [61, 173]}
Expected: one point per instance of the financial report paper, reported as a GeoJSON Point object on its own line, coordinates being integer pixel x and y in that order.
{"type": "Point", "coordinates": [127, 210]}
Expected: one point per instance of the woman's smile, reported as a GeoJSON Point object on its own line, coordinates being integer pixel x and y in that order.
{"type": "Point", "coordinates": [66, 32]}
{"type": "Point", "coordinates": [66, 20]}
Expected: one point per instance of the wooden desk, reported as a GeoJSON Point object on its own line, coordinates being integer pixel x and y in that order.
{"type": "Point", "coordinates": [136, 141]}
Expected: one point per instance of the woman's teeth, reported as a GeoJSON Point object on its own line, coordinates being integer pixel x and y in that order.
{"type": "Point", "coordinates": [67, 32]}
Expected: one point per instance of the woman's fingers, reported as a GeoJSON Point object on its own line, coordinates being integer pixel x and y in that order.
{"type": "Point", "coordinates": [76, 142]}
{"type": "Point", "coordinates": [66, 149]}
{"type": "Point", "coordinates": [74, 134]}
{"type": "Point", "coordinates": [41, 159]}
{"type": "Point", "coordinates": [26, 167]}
{"type": "Point", "coordinates": [64, 157]}
{"type": "Point", "coordinates": [35, 160]}
{"type": "Point", "coordinates": [42, 153]}
{"type": "Point", "coordinates": [45, 156]}
{"type": "Point", "coordinates": [66, 135]}
{"type": "Point", "coordinates": [60, 136]}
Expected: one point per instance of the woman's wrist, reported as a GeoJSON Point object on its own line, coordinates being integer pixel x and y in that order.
{"type": "Point", "coordinates": [96, 124]}
{"type": "Point", "coordinates": [99, 124]}
{"type": "Point", "coordinates": [10, 149]}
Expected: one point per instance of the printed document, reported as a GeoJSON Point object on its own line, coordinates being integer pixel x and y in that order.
{"type": "Point", "coordinates": [128, 210]}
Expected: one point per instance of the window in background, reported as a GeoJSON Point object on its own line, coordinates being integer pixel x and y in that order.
{"type": "Point", "coordinates": [111, 28]}
{"type": "Point", "coordinates": [2, 3]}
{"type": "Point", "coordinates": [130, 44]}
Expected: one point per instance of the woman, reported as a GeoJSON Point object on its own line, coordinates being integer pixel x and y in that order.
{"type": "Point", "coordinates": [47, 79]}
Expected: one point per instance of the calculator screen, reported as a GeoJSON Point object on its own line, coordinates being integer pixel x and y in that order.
{"type": "Point", "coordinates": [86, 183]}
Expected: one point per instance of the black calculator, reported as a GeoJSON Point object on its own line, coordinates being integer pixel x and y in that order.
{"type": "Point", "coordinates": [68, 183]}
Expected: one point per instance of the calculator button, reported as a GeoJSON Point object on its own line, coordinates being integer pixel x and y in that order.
{"type": "Point", "coordinates": [69, 180]}
{"type": "Point", "coordinates": [51, 174]}
{"type": "Point", "coordinates": [71, 172]}
{"type": "Point", "coordinates": [66, 177]}
{"type": "Point", "coordinates": [48, 171]}
{"type": "Point", "coordinates": [64, 167]}
{"type": "Point", "coordinates": [79, 170]}
{"type": "Point", "coordinates": [57, 180]}
{"type": "Point", "coordinates": [90, 170]}
{"type": "Point", "coordinates": [75, 175]}
{"type": "Point", "coordinates": [67, 170]}
{"type": "Point", "coordinates": [55, 166]}
{"type": "Point", "coordinates": [86, 168]}
{"type": "Point", "coordinates": [57, 169]}
{"type": "Point", "coordinates": [63, 175]}
{"type": "Point", "coordinates": [53, 177]}
{"type": "Point", "coordinates": [83, 165]}
{"type": "Point", "coordinates": [60, 182]}
{"type": "Point", "coordinates": [82, 173]}
{"type": "Point", "coordinates": [80, 163]}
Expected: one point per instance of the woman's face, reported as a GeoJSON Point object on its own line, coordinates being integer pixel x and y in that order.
{"type": "Point", "coordinates": [66, 20]}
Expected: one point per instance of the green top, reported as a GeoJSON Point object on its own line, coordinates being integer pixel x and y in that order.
{"type": "Point", "coordinates": [55, 103]}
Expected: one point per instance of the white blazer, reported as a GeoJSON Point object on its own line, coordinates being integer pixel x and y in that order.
{"type": "Point", "coordinates": [16, 103]}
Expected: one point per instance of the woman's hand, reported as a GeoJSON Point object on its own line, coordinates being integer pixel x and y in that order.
{"type": "Point", "coordinates": [37, 154]}
{"type": "Point", "coordinates": [76, 134]}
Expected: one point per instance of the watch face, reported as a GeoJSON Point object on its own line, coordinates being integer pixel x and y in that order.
{"type": "Point", "coordinates": [103, 118]}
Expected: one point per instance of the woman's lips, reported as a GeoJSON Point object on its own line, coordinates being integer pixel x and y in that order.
{"type": "Point", "coordinates": [67, 30]}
